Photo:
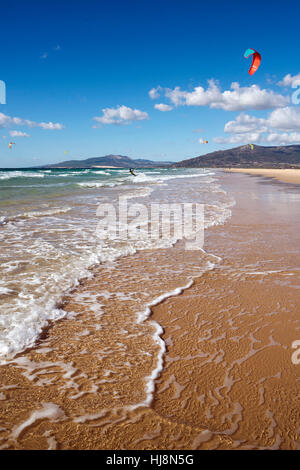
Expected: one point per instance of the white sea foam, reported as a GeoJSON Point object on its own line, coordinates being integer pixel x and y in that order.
{"type": "Point", "coordinates": [4, 291]}
{"type": "Point", "coordinates": [158, 331]}
{"type": "Point", "coordinates": [99, 184]}
{"type": "Point", "coordinates": [143, 315]}
{"type": "Point", "coordinates": [50, 250]}
{"type": "Point", "coordinates": [3, 220]}
{"type": "Point", "coordinates": [48, 411]}
{"type": "Point", "coordinates": [19, 174]}
{"type": "Point", "coordinates": [100, 172]}
{"type": "Point", "coordinates": [140, 178]}
{"type": "Point", "coordinates": [47, 213]}
{"type": "Point", "coordinates": [34, 214]}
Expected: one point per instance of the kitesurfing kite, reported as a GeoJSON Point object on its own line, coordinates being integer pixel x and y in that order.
{"type": "Point", "coordinates": [255, 61]}
{"type": "Point", "coordinates": [252, 146]}
{"type": "Point", "coordinates": [203, 141]}
{"type": "Point", "coordinates": [11, 144]}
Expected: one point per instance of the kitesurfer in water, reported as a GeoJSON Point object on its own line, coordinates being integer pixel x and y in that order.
{"type": "Point", "coordinates": [131, 171]}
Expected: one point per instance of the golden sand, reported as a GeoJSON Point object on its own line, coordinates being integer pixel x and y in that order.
{"type": "Point", "coordinates": [285, 175]}
{"type": "Point", "coordinates": [228, 381]}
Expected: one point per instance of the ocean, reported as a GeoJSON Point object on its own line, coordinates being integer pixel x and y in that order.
{"type": "Point", "coordinates": [49, 241]}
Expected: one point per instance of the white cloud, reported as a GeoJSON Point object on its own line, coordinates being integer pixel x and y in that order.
{"type": "Point", "coordinates": [250, 98]}
{"type": "Point", "coordinates": [154, 93]}
{"type": "Point", "coordinates": [272, 138]}
{"type": "Point", "coordinates": [245, 124]}
{"type": "Point", "coordinates": [290, 80]}
{"type": "Point", "coordinates": [163, 107]}
{"type": "Point", "coordinates": [176, 96]}
{"type": "Point", "coordinates": [6, 121]}
{"type": "Point", "coordinates": [121, 115]}
{"type": "Point", "coordinates": [18, 134]}
{"type": "Point", "coordinates": [44, 56]}
{"type": "Point", "coordinates": [284, 138]}
{"type": "Point", "coordinates": [285, 119]}
{"type": "Point", "coordinates": [256, 130]}
{"type": "Point", "coordinates": [236, 99]}
{"type": "Point", "coordinates": [49, 125]}
{"type": "Point", "coordinates": [236, 139]}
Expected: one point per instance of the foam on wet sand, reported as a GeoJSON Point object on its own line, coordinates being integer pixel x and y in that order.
{"type": "Point", "coordinates": [206, 366]}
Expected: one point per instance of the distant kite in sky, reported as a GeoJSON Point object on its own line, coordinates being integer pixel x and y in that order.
{"type": "Point", "coordinates": [203, 141]}
{"type": "Point", "coordinates": [11, 144]}
{"type": "Point", "coordinates": [255, 61]}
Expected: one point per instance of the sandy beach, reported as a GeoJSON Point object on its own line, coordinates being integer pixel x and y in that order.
{"type": "Point", "coordinates": [285, 175]}
{"type": "Point", "coordinates": [149, 229]}
{"type": "Point", "coordinates": [225, 345]}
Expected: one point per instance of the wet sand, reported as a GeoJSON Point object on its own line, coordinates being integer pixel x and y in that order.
{"type": "Point", "coordinates": [285, 175]}
{"type": "Point", "coordinates": [228, 381]}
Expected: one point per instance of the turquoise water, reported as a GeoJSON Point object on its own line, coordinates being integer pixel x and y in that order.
{"type": "Point", "coordinates": [17, 185]}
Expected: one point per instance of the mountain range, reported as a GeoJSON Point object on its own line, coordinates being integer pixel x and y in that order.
{"type": "Point", "coordinates": [245, 156]}
{"type": "Point", "coordinates": [109, 161]}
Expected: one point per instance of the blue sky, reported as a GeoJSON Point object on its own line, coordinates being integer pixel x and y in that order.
{"type": "Point", "coordinates": [66, 62]}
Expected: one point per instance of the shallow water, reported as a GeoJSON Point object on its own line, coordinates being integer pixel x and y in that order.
{"type": "Point", "coordinates": [49, 240]}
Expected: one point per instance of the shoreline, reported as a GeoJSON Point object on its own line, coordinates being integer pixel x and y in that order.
{"type": "Point", "coordinates": [227, 380]}
{"type": "Point", "coordinates": [285, 175]}
{"type": "Point", "coordinates": [244, 384]}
